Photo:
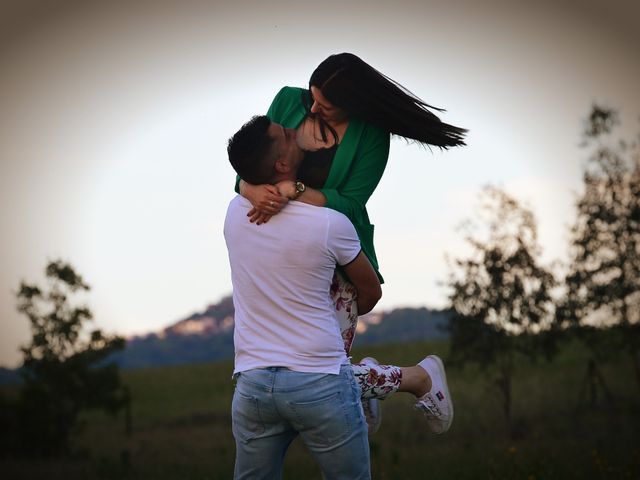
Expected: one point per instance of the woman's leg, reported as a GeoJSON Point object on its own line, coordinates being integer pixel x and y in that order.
{"type": "Point", "coordinates": [377, 382]}
{"type": "Point", "coordinates": [380, 381]}
{"type": "Point", "coordinates": [344, 295]}
{"type": "Point", "coordinates": [427, 381]}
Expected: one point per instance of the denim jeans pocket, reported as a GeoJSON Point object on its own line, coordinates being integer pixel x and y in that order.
{"type": "Point", "coordinates": [323, 422]}
{"type": "Point", "coordinates": [246, 421]}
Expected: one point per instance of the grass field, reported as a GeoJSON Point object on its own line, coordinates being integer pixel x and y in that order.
{"type": "Point", "coordinates": [181, 428]}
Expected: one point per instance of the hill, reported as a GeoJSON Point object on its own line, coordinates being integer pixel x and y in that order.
{"type": "Point", "coordinates": [208, 335]}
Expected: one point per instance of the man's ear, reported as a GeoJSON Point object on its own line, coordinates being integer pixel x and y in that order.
{"type": "Point", "coordinates": [281, 166]}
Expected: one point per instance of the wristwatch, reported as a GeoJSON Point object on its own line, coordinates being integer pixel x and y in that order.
{"type": "Point", "coordinates": [300, 188]}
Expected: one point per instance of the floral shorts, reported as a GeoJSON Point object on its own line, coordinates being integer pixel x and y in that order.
{"type": "Point", "coordinates": [376, 381]}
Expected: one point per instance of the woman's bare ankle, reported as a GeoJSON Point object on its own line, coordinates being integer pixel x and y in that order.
{"type": "Point", "coordinates": [415, 380]}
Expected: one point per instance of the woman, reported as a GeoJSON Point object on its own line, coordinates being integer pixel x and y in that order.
{"type": "Point", "coordinates": [344, 122]}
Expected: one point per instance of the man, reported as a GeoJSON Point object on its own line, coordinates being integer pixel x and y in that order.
{"type": "Point", "coordinates": [293, 376]}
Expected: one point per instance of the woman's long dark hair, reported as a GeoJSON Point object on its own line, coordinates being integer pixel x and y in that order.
{"type": "Point", "coordinates": [359, 89]}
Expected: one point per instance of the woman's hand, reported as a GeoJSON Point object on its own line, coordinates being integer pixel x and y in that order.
{"type": "Point", "coordinates": [258, 218]}
{"type": "Point", "coordinates": [266, 200]}
{"type": "Point", "coordinates": [287, 188]}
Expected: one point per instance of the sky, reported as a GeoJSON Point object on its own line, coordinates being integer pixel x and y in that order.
{"type": "Point", "coordinates": [115, 118]}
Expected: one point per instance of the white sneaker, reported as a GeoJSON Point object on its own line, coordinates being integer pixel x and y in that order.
{"type": "Point", "coordinates": [371, 406]}
{"type": "Point", "coordinates": [436, 404]}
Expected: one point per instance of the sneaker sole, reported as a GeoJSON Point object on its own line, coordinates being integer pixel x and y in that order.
{"type": "Point", "coordinates": [443, 375]}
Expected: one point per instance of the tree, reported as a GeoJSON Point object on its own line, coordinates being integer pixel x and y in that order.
{"type": "Point", "coordinates": [501, 296]}
{"type": "Point", "coordinates": [65, 369]}
{"type": "Point", "coordinates": [603, 279]}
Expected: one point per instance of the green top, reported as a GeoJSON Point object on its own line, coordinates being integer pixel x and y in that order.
{"type": "Point", "coordinates": [356, 169]}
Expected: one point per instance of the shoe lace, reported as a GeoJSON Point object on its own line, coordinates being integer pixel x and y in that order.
{"type": "Point", "coordinates": [429, 406]}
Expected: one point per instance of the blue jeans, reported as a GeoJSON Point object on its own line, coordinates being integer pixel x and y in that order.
{"type": "Point", "coordinates": [271, 406]}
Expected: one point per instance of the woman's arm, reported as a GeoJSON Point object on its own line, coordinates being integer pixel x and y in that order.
{"type": "Point", "coordinates": [365, 173]}
{"type": "Point", "coordinates": [371, 159]}
{"type": "Point", "coordinates": [310, 195]}
{"type": "Point", "coordinates": [261, 196]}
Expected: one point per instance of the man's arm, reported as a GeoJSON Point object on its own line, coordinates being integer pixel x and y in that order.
{"type": "Point", "coordinates": [364, 278]}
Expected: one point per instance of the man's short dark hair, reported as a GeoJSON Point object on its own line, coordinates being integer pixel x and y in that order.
{"type": "Point", "coordinates": [250, 151]}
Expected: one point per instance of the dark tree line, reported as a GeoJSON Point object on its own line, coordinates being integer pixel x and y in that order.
{"type": "Point", "coordinates": [65, 369]}
{"type": "Point", "coordinates": [603, 281]}
{"type": "Point", "coordinates": [501, 294]}
{"type": "Point", "coordinates": [506, 303]}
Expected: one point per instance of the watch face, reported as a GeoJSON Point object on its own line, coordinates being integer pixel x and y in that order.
{"type": "Point", "coordinates": [300, 187]}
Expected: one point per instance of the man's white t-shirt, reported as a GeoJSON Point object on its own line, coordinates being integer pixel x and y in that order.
{"type": "Point", "coordinates": [281, 273]}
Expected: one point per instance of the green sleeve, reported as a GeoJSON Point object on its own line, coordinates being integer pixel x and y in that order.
{"type": "Point", "coordinates": [287, 103]}
{"type": "Point", "coordinates": [273, 111]}
{"type": "Point", "coordinates": [367, 169]}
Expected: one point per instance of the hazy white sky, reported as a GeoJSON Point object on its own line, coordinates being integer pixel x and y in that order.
{"type": "Point", "coordinates": [115, 117]}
